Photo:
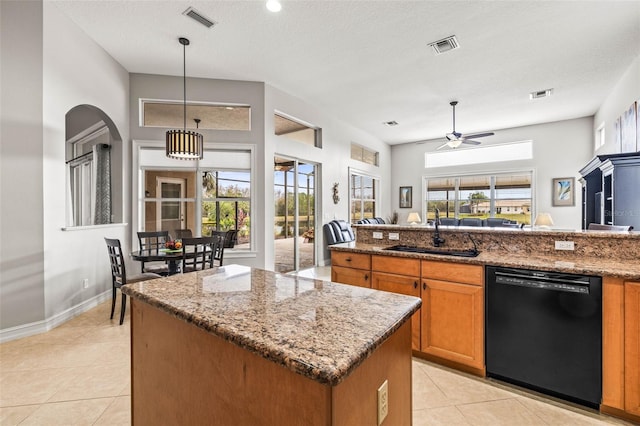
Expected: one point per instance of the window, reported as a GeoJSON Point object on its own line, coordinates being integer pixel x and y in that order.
{"type": "Point", "coordinates": [297, 130]}
{"type": "Point", "coordinates": [211, 116]}
{"type": "Point", "coordinates": [363, 196]}
{"type": "Point", "coordinates": [210, 196]}
{"type": "Point", "coordinates": [90, 176]}
{"type": "Point", "coordinates": [226, 202]}
{"type": "Point", "coordinates": [365, 155]}
{"type": "Point", "coordinates": [488, 154]}
{"type": "Point", "coordinates": [599, 139]}
{"type": "Point", "coordinates": [501, 195]}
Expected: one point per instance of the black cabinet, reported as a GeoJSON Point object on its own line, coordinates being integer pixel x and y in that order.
{"type": "Point", "coordinates": [611, 190]}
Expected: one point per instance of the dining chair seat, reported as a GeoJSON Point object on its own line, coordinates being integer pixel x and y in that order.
{"type": "Point", "coordinates": [119, 275]}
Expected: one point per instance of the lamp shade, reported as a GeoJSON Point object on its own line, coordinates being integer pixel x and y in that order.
{"type": "Point", "coordinates": [543, 219]}
{"type": "Point", "coordinates": [184, 145]}
{"type": "Point", "coordinates": [413, 218]}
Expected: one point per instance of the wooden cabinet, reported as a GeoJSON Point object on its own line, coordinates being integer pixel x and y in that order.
{"type": "Point", "coordinates": [351, 268]}
{"type": "Point", "coordinates": [399, 275]}
{"type": "Point", "coordinates": [621, 348]}
{"type": "Point", "coordinates": [452, 326]}
{"type": "Point", "coordinates": [632, 348]}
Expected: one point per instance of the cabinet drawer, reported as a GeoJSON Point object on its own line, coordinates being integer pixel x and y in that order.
{"type": "Point", "coordinates": [359, 277]}
{"type": "Point", "coordinates": [395, 265]}
{"type": "Point", "coordinates": [453, 272]}
{"type": "Point", "coordinates": [351, 260]}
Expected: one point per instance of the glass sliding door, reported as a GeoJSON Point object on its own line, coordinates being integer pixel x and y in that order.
{"type": "Point", "coordinates": [295, 221]}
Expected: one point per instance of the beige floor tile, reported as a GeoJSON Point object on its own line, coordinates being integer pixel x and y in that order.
{"type": "Point", "coordinates": [94, 382]}
{"type": "Point", "coordinates": [425, 393]}
{"type": "Point", "coordinates": [26, 387]}
{"type": "Point", "coordinates": [105, 333]}
{"type": "Point", "coordinates": [81, 412]}
{"type": "Point", "coordinates": [117, 414]}
{"type": "Point", "coordinates": [505, 412]}
{"type": "Point", "coordinates": [442, 416]}
{"type": "Point", "coordinates": [462, 388]}
{"type": "Point", "coordinates": [10, 416]}
{"type": "Point", "coordinates": [561, 415]}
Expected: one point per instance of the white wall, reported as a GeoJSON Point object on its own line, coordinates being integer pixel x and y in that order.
{"type": "Point", "coordinates": [560, 149]}
{"type": "Point", "coordinates": [76, 71]}
{"type": "Point", "coordinates": [21, 177]}
{"type": "Point", "coordinates": [334, 157]}
{"type": "Point", "coordinates": [625, 92]}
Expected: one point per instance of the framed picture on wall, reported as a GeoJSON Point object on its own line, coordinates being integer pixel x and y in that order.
{"type": "Point", "coordinates": [628, 129]}
{"type": "Point", "coordinates": [563, 192]}
{"type": "Point", "coordinates": [406, 197]}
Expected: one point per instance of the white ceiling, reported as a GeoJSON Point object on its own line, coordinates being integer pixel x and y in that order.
{"type": "Point", "coordinates": [367, 62]}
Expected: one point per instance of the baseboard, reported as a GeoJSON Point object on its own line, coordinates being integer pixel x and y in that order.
{"type": "Point", "coordinates": [43, 326]}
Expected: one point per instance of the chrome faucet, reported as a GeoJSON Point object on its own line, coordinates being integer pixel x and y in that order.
{"type": "Point", "coordinates": [437, 240]}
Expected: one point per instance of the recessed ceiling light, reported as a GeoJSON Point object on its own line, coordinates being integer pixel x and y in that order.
{"type": "Point", "coordinates": [540, 94]}
{"type": "Point", "coordinates": [445, 45]}
{"type": "Point", "coordinates": [274, 5]}
{"type": "Point", "coordinates": [390, 123]}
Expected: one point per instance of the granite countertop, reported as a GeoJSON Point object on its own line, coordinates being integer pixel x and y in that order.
{"type": "Point", "coordinates": [319, 329]}
{"type": "Point", "coordinates": [622, 268]}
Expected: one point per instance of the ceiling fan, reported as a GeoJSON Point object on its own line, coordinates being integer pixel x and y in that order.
{"type": "Point", "coordinates": [455, 139]}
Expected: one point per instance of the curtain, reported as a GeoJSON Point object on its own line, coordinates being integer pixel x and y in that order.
{"type": "Point", "coordinates": [101, 193]}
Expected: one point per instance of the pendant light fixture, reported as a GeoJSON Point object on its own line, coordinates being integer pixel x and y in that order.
{"type": "Point", "coordinates": [183, 144]}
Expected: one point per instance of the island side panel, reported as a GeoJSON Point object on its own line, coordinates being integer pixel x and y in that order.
{"type": "Point", "coordinates": [355, 400]}
{"type": "Point", "coordinates": [184, 375]}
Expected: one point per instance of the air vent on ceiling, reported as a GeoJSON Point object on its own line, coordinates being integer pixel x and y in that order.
{"type": "Point", "coordinates": [445, 45]}
{"type": "Point", "coordinates": [540, 94]}
{"type": "Point", "coordinates": [390, 123]}
{"type": "Point", "coordinates": [194, 14]}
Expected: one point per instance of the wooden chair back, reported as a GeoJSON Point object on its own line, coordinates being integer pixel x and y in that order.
{"type": "Point", "coordinates": [183, 233]}
{"type": "Point", "coordinates": [198, 253]}
{"type": "Point", "coordinates": [116, 259]}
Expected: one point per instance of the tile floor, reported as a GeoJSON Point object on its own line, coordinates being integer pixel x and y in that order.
{"type": "Point", "coordinates": [78, 374]}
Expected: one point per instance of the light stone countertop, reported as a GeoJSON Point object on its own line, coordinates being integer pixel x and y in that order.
{"type": "Point", "coordinates": [318, 329]}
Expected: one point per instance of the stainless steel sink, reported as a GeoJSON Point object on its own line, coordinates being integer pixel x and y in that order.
{"type": "Point", "coordinates": [427, 250]}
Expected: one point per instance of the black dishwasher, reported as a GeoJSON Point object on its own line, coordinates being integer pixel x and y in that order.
{"type": "Point", "coordinates": [544, 332]}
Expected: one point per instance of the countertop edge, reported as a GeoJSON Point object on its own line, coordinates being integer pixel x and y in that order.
{"type": "Point", "coordinates": [323, 376]}
{"type": "Point", "coordinates": [487, 258]}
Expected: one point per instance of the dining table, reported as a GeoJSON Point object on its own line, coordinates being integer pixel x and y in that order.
{"type": "Point", "coordinates": [171, 256]}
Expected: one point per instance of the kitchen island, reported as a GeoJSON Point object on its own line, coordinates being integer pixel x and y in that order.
{"type": "Point", "coordinates": [243, 346]}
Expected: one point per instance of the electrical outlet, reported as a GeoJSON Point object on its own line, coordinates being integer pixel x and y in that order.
{"type": "Point", "coordinates": [85, 283]}
{"type": "Point", "coordinates": [377, 235]}
{"type": "Point", "coordinates": [383, 402]}
{"type": "Point", "coordinates": [565, 245]}
{"type": "Point", "coordinates": [394, 236]}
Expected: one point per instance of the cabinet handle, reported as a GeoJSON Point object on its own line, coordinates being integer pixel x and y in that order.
{"type": "Point", "coordinates": [366, 277]}
{"type": "Point", "coordinates": [415, 284]}
{"type": "Point", "coordinates": [348, 259]}
{"type": "Point", "coordinates": [424, 286]}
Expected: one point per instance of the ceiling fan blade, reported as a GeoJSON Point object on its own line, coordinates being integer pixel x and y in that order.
{"type": "Point", "coordinates": [470, 142]}
{"type": "Point", "coordinates": [478, 135]}
{"type": "Point", "coordinates": [442, 146]}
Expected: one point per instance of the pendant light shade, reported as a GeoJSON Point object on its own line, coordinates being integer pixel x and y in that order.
{"type": "Point", "coordinates": [183, 144]}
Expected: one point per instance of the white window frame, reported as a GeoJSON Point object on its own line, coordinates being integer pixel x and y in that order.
{"type": "Point", "coordinates": [376, 191]}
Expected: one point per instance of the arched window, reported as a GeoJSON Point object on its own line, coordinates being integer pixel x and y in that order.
{"type": "Point", "coordinates": [93, 148]}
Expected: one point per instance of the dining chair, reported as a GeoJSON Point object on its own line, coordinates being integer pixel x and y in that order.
{"type": "Point", "coordinates": [218, 251]}
{"type": "Point", "coordinates": [198, 253]}
{"type": "Point", "coordinates": [183, 233]}
{"type": "Point", "coordinates": [153, 241]}
{"type": "Point", "coordinates": [119, 275]}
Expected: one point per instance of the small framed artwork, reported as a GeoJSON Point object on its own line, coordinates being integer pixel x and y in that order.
{"type": "Point", "coordinates": [628, 129]}
{"type": "Point", "coordinates": [406, 197]}
{"type": "Point", "coordinates": [563, 192]}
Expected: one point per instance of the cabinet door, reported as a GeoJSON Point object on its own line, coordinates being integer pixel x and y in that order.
{"type": "Point", "coordinates": [359, 277]}
{"type": "Point", "coordinates": [401, 284]}
{"type": "Point", "coordinates": [632, 348]}
{"type": "Point", "coordinates": [452, 322]}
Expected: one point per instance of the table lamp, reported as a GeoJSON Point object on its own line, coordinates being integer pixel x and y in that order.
{"type": "Point", "coordinates": [543, 220]}
{"type": "Point", "coordinates": [413, 218]}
